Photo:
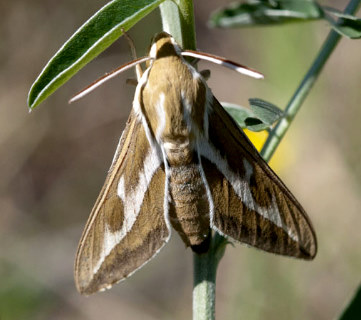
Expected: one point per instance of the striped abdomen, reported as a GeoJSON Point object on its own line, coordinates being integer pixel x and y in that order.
{"type": "Point", "coordinates": [189, 206]}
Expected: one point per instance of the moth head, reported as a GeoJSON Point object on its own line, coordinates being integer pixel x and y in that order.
{"type": "Point", "coordinates": [164, 45]}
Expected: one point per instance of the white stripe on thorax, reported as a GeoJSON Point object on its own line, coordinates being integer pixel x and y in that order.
{"type": "Point", "coordinates": [160, 108]}
{"type": "Point", "coordinates": [138, 109]}
{"type": "Point", "coordinates": [187, 111]}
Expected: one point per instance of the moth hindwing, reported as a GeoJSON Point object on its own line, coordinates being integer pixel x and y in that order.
{"type": "Point", "coordinates": [182, 162]}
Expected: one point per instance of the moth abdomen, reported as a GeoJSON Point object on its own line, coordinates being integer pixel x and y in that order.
{"type": "Point", "coordinates": [189, 205]}
{"type": "Point", "coordinates": [204, 245]}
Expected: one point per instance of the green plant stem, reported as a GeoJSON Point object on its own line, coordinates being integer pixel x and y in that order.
{"type": "Point", "coordinates": [178, 20]}
{"type": "Point", "coordinates": [204, 284]}
{"type": "Point", "coordinates": [204, 287]}
{"type": "Point", "coordinates": [278, 132]}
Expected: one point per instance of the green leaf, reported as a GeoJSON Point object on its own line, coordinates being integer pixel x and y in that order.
{"type": "Point", "coordinates": [261, 116]}
{"type": "Point", "coordinates": [349, 28]}
{"type": "Point", "coordinates": [93, 37]}
{"type": "Point", "coordinates": [255, 124]}
{"type": "Point", "coordinates": [266, 12]}
{"type": "Point", "coordinates": [238, 113]}
{"type": "Point", "coordinates": [353, 310]}
{"type": "Point", "coordinates": [339, 14]}
{"type": "Point", "coordinates": [348, 25]}
{"type": "Point", "coordinates": [267, 112]}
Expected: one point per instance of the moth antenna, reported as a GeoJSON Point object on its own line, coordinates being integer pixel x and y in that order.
{"type": "Point", "coordinates": [223, 62]}
{"type": "Point", "coordinates": [133, 53]}
{"type": "Point", "coordinates": [107, 77]}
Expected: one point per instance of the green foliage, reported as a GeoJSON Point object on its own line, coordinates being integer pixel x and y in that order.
{"type": "Point", "coordinates": [93, 37]}
{"type": "Point", "coordinates": [261, 116]}
{"type": "Point", "coordinates": [20, 297]}
{"type": "Point", "coordinates": [271, 12]}
{"type": "Point", "coordinates": [353, 310]}
{"type": "Point", "coordinates": [265, 12]}
{"type": "Point", "coordinates": [108, 24]}
{"type": "Point", "coordinates": [348, 25]}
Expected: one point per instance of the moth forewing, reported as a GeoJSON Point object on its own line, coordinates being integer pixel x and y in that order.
{"type": "Point", "coordinates": [251, 203]}
{"type": "Point", "coordinates": [127, 226]}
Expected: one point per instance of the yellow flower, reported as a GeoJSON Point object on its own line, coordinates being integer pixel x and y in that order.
{"type": "Point", "coordinates": [283, 156]}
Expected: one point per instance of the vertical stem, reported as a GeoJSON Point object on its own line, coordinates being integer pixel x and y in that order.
{"type": "Point", "coordinates": [304, 88]}
{"type": "Point", "coordinates": [204, 285]}
{"type": "Point", "coordinates": [178, 20]}
{"type": "Point", "coordinates": [171, 21]}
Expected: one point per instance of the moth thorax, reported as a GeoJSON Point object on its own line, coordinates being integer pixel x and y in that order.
{"type": "Point", "coordinates": [189, 206]}
{"type": "Point", "coordinates": [179, 153]}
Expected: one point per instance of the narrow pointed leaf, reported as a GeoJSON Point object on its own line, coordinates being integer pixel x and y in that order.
{"type": "Point", "coordinates": [255, 124]}
{"type": "Point", "coordinates": [267, 112]}
{"type": "Point", "coordinates": [266, 12]}
{"type": "Point", "coordinates": [93, 37]}
{"type": "Point", "coordinates": [261, 116]}
{"type": "Point", "coordinates": [238, 113]}
{"type": "Point", "coordinates": [349, 28]}
{"type": "Point", "coordinates": [340, 14]}
{"type": "Point", "coordinates": [348, 25]}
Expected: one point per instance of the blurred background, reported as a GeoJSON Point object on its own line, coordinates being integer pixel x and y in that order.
{"type": "Point", "coordinates": [53, 163]}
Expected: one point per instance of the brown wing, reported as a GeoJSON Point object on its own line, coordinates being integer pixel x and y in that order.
{"type": "Point", "coordinates": [250, 203]}
{"type": "Point", "coordinates": [127, 225]}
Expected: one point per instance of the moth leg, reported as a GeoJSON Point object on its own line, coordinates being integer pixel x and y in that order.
{"type": "Point", "coordinates": [132, 82]}
{"type": "Point", "coordinates": [133, 53]}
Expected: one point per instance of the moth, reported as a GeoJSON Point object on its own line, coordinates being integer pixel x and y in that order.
{"type": "Point", "coordinates": [183, 163]}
